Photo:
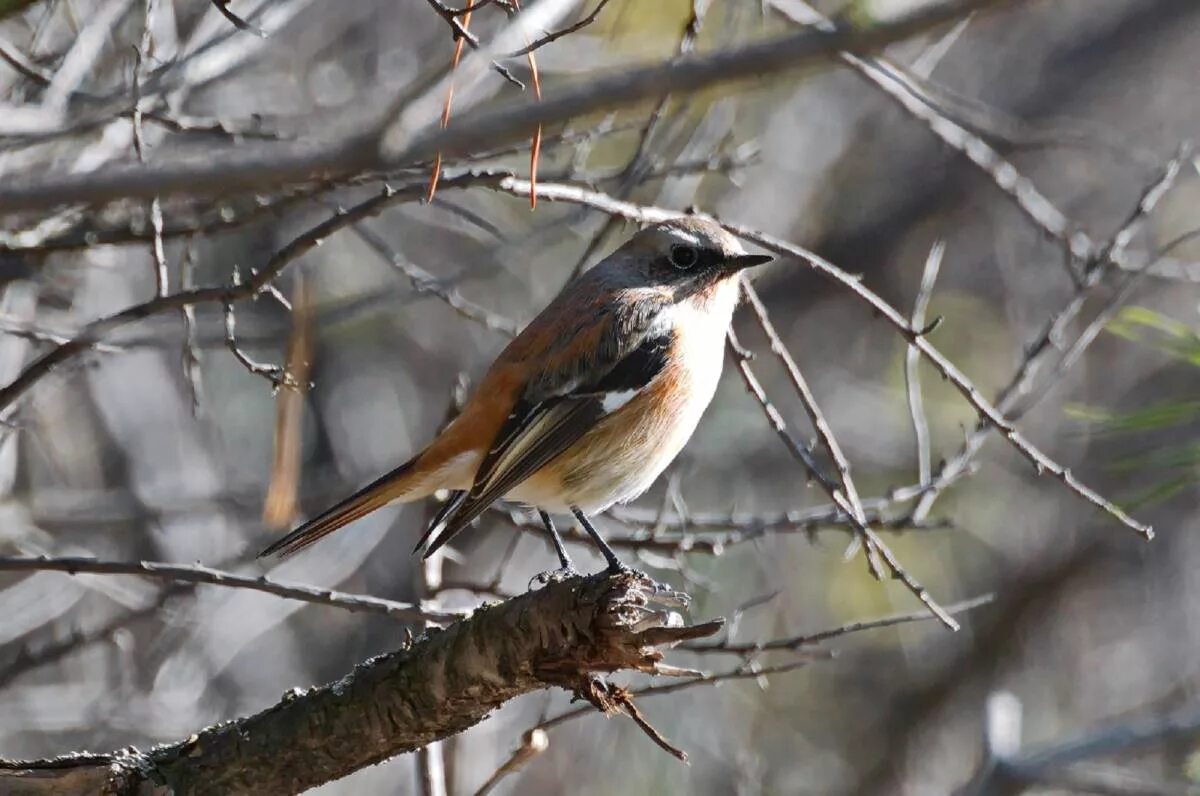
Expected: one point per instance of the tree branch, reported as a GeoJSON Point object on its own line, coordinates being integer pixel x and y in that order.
{"type": "Point", "coordinates": [445, 682]}
{"type": "Point", "coordinates": [231, 170]}
{"type": "Point", "coordinates": [989, 414]}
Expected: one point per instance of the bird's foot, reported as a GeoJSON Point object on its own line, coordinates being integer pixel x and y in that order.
{"type": "Point", "coordinates": [554, 576]}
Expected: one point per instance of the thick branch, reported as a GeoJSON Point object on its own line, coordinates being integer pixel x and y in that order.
{"type": "Point", "coordinates": [441, 684]}
{"type": "Point", "coordinates": [259, 168]}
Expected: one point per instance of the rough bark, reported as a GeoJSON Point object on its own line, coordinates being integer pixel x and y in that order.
{"type": "Point", "coordinates": [442, 683]}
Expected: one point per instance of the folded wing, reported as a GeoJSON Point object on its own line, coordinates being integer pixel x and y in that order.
{"type": "Point", "coordinates": [539, 430]}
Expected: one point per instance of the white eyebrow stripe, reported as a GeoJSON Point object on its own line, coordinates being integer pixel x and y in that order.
{"type": "Point", "coordinates": [687, 237]}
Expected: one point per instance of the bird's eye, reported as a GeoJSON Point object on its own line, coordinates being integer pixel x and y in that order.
{"type": "Point", "coordinates": [684, 257]}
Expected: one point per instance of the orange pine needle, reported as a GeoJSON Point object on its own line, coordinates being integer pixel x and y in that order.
{"type": "Point", "coordinates": [535, 149]}
{"type": "Point", "coordinates": [437, 160]}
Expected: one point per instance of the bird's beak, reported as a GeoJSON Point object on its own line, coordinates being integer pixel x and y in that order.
{"type": "Point", "coordinates": [747, 261]}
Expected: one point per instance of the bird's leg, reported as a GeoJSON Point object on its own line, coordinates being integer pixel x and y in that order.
{"type": "Point", "coordinates": [563, 557]}
{"type": "Point", "coordinates": [566, 568]}
{"type": "Point", "coordinates": [614, 563]}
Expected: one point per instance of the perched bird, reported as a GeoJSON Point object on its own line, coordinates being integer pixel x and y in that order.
{"type": "Point", "coordinates": [587, 405]}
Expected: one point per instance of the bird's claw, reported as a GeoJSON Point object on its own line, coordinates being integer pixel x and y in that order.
{"type": "Point", "coordinates": [553, 576]}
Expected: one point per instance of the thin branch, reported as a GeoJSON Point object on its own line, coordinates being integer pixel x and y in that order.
{"type": "Point", "coordinates": [23, 64]}
{"type": "Point", "coordinates": [196, 573]}
{"type": "Point", "coordinates": [451, 17]}
{"type": "Point", "coordinates": [280, 503]}
{"type": "Point", "coordinates": [985, 409]}
{"type": "Point", "coordinates": [636, 167]}
{"type": "Point", "coordinates": [625, 699]}
{"type": "Point", "coordinates": [533, 743]}
{"type": "Point", "coordinates": [189, 350]}
{"type": "Point", "coordinates": [735, 531]}
{"type": "Point", "coordinates": [76, 230]}
{"type": "Point", "coordinates": [793, 643]}
{"type": "Point", "coordinates": [461, 34]}
{"type": "Point", "coordinates": [848, 493]}
{"type": "Point", "coordinates": [905, 91]}
{"type": "Point", "coordinates": [558, 34]}
{"type": "Point", "coordinates": [158, 252]}
{"type": "Point", "coordinates": [425, 283]}
{"type": "Point", "coordinates": [864, 531]}
{"type": "Point", "coordinates": [239, 23]}
{"type": "Point", "coordinates": [988, 413]}
{"type": "Point", "coordinates": [274, 374]}
{"type": "Point", "coordinates": [1055, 329]}
{"type": "Point", "coordinates": [912, 360]}
{"type": "Point", "coordinates": [701, 679]}
{"type": "Point", "coordinates": [258, 281]}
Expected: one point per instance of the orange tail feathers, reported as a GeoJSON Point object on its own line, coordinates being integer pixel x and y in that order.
{"type": "Point", "coordinates": [392, 486]}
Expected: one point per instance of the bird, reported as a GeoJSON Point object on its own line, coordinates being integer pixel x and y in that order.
{"type": "Point", "coordinates": [589, 404]}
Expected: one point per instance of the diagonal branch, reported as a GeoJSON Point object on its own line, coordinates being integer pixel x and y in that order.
{"type": "Point", "coordinates": [847, 496]}
{"type": "Point", "coordinates": [258, 281]}
{"type": "Point", "coordinates": [234, 169]}
{"type": "Point", "coordinates": [443, 683]}
{"type": "Point", "coordinates": [987, 411]}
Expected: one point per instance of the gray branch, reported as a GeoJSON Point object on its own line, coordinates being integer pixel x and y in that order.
{"type": "Point", "coordinates": [389, 145]}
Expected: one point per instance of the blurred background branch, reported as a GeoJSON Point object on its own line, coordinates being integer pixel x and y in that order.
{"type": "Point", "coordinates": [195, 195]}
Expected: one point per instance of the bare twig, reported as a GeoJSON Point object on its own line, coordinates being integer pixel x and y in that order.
{"type": "Point", "coordinates": [279, 506]}
{"type": "Point", "coordinates": [558, 34]}
{"type": "Point", "coordinates": [239, 23]}
{"type": "Point", "coordinates": [864, 531]}
{"type": "Point", "coordinates": [23, 64]}
{"type": "Point", "coordinates": [638, 163]}
{"type": "Point", "coordinates": [157, 249]}
{"type": "Point", "coordinates": [912, 359]}
{"type": "Point", "coordinates": [189, 356]}
{"type": "Point", "coordinates": [425, 283]}
{"type": "Point", "coordinates": [986, 410]}
{"type": "Point", "coordinates": [702, 679]}
{"type": "Point", "coordinates": [895, 83]}
{"type": "Point", "coordinates": [451, 16]}
{"type": "Point", "coordinates": [274, 374]}
{"type": "Point", "coordinates": [848, 493]}
{"type": "Point", "coordinates": [258, 281]}
{"type": "Point", "coordinates": [436, 173]}
{"type": "Point", "coordinates": [461, 34]}
{"type": "Point", "coordinates": [988, 413]}
{"type": "Point", "coordinates": [1055, 329]}
{"type": "Point", "coordinates": [533, 743]}
{"type": "Point", "coordinates": [196, 573]}
{"type": "Point", "coordinates": [625, 699]}
{"type": "Point", "coordinates": [793, 643]}
{"type": "Point", "coordinates": [535, 144]}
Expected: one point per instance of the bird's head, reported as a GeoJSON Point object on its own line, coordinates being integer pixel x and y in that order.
{"type": "Point", "coordinates": [685, 255]}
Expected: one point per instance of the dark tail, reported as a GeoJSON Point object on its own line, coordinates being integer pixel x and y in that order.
{"type": "Point", "coordinates": [375, 495]}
